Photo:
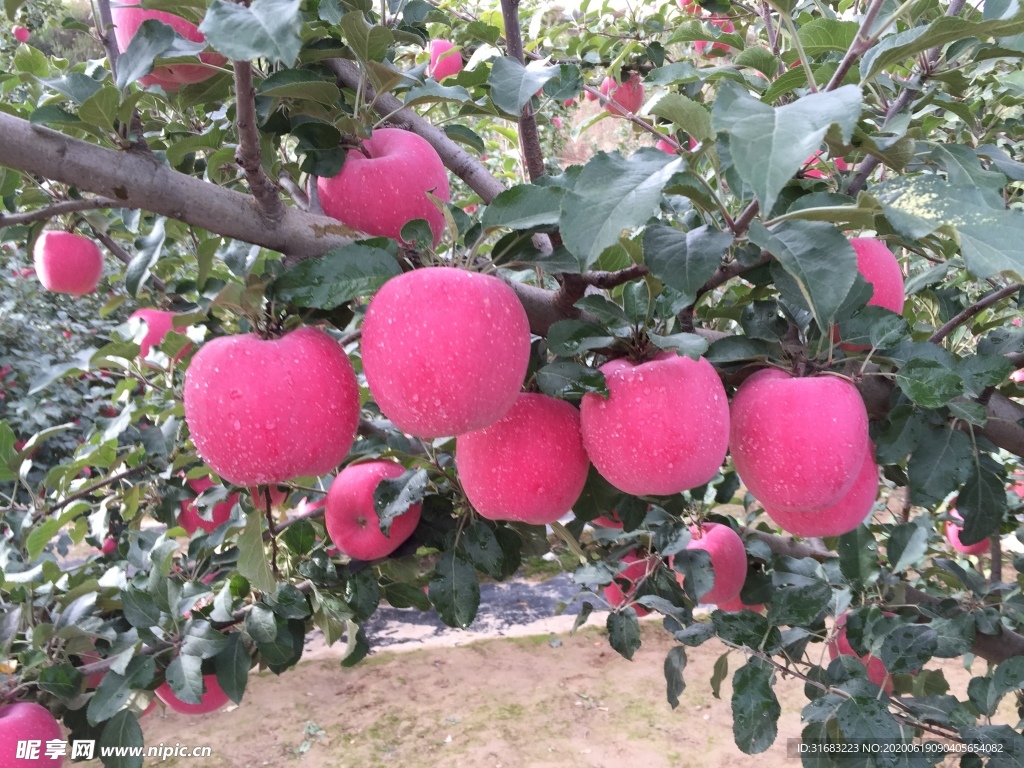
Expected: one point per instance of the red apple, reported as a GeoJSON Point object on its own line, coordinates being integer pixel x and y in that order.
{"type": "Point", "coordinates": [798, 443]}
{"type": "Point", "coordinates": [128, 17]}
{"type": "Point", "coordinates": [636, 569]}
{"type": "Point", "coordinates": [625, 97]}
{"type": "Point", "coordinates": [445, 60]}
{"type": "Point", "coordinates": [728, 560]}
{"type": "Point", "coordinates": [21, 34]}
{"type": "Point", "coordinates": [158, 324]}
{"type": "Point", "coordinates": [723, 24]}
{"type": "Point", "coordinates": [67, 263]}
{"type": "Point", "coordinates": [590, 95]}
{"type": "Point", "coordinates": [611, 520]}
{"type": "Point", "coordinates": [29, 722]}
{"type": "Point", "coordinates": [189, 518]}
{"type": "Point", "coordinates": [109, 545]}
{"type": "Point", "coordinates": [445, 350]}
{"type": "Point", "coordinates": [813, 172]}
{"type": "Point", "coordinates": [529, 466]}
{"type": "Point", "coordinates": [557, 122]}
{"type": "Point", "coordinates": [953, 537]}
{"type": "Point", "coordinates": [840, 646]}
{"type": "Point", "coordinates": [664, 146]}
{"type": "Point", "coordinates": [383, 190]}
{"type": "Point", "coordinates": [278, 496]}
{"type": "Point", "coordinates": [690, 6]}
{"type": "Point", "coordinates": [841, 517]}
{"type": "Point", "coordinates": [266, 410]}
{"type": "Point", "coordinates": [351, 517]}
{"type": "Point", "coordinates": [213, 698]}
{"type": "Point", "coordinates": [664, 427]}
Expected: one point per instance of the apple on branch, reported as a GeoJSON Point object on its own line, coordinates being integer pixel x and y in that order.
{"type": "Point", "coordinates": [621, 589]}
{"type": "Point", "coordinates": [21, 34]}
{"type": "Point", "coordinates": [728, 560]}
{"type": "Point", "coordinates": [625, 97]}
{"type": "Point", "coordinates": [27, 721]}
{"type": "Point", "coordinates": [384, 185]}
{"type": "Point", "coordinates": [67, 263]}
{"type": "Point", "coordinates": [158, 324]}
{"type": "Point", "coordinates": [189, 517]}
{"type": "Point", "coordinates": [445, 60]}
{"type": "Point", "coordinates": [212, 699]}
{"type": "Point", "coordinates": [953, 530]}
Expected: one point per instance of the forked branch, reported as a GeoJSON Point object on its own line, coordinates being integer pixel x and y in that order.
{"type": "Point", "coordinates": [249, 154]}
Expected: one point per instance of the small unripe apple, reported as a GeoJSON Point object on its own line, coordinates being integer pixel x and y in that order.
{"type": "Point", "coordinates": [67, 263]}
{"type": "Point", "coordinates": [664, 427]}
{"type": "Point", "coordinates": [636, 569]}
{"type": "Point", "coordinates": [798, 443]}
{"type": "Point", "coordinates": [262, 411]}
{"type": "Point", "coordinates": [27, 721]}
{"type": "Point", "coordinates": [381, 191]}
{"type": "Point", "coordinates": [839, 645]}
{"type": "Point", "coordinates": [21, 34]}
{"type": "Point", "coordinates": [189, 518]}
{"type": "Point", "coordinates": [953, 537]}
{"type": "Point", "coordinates": [351, 517]}
{"type": "Point", "coordinates": [625, 97]}
{"type": "Point", "coordinates": [158, 324]}
{"type": "Point", "coordinates": [839, 518]}
{"type": "Point", "coordinates": [445, 350]}
{"type": "Point", "coordinates": [728, 560]}
{"type": "Point", "coordinates": [128, 16]}
{"type": "Point", "coordinates": [213, 698]}
{"type": "Point", "coordinates": [723, 24]}
{"type": "Point", "coordinates": [529, 466]}
{"type": "Point", "coordinates": [445, 60]}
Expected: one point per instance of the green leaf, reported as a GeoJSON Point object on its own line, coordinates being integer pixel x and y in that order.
{"type": "Point", "coordinates": [140, 609]}
{"type": "Point", "coordinates": [982, 503]}
{"type": "Point", "coordinates": [624, 632]}
{"type": "Point", "coordinates": [698, 574]}
{"type": "Point", "coordinates": [908, 544]}
{"type": "Point", "coordinates": [393, 496]}
{"type": "Point", "coordinates": [252, 557]}
{"type": "Point", "coordinates": [929, 383]}
{"type": "Point", "coordinates": [300, 84]}
{"type": "Point", "coordinates": [149, 249]}
{"type": "Point", "coordinates": [524, 207]}
{"type": "Point", "coordinates": [100, 109]}
{"type": "Point", "coordinates": [369, 43]}
{"type": "Point", "coordinates": [675, 663]}
{"type": "Point", "coordinates": [760, 59]}
{"type": "Point", "coordinates": [31, 60]}
{"type": "Point", "coordinates": [687, 344]}
{"type": "Point", "coordinates": [185, 676]}
{"type": "Point", "coordinates": [818, 257]}
{"type": "Point", "coordinates": [62, 680]}
{"type": "Point", "coordinates": [684, 260]}
{"type": "Point", "coordinates": [799, 605]}
{"type": "Point", "coordinates": [686, 114]}
{"type": "Point", "coordinates": [114, 689]}
{"type": "Point", "coordinates": [484, 550]}
{"type": "Point", "coordinates": [613, 194]}
{"type": "Point", "coordinates": [233, 663]}
{"type": "Point", "coordinates": [568, 380]}
{"type": "Point", "coordinates": [769, 144]}
{"type": "Point", "coordinates": [937, 467]}
{"type": "Point", "coordinates": [432, 92]}
{"type": "Point", "coordinates": [718, 674]}
{"type": "Point", "coordinates": [908, 648]}
{"type": "Point", "coordinates": [74, 85]}
{"type": "Point", "coordinates": [289, 603]}
{"type": "Point", "coordinates": [568, 338]}
{"type": "Point", "coordinates": [607, 312]}
{"type": "Point", "coordinates": [121, 742]}
{"type": "Point", "coordinates": [202, 640]}
{"type": "Point", "coordinates": [513, 85]}
{"type": "Point", "coordinates": [823, 35]}
{"type": "Point", "coordinates": [454, 590]}
{"type": "Point", "coordinates": [337, 277]}
{"type": "Point", "coordinates": [755, 709]}
{"type": "Point", "coordinates": [265, 29]}
{"type": "Point", "coordinates": [867, 719]}
{"type": "Point", "coordinates": [858, 557]}
{"type": "Point", "coordinates": [154, 40]}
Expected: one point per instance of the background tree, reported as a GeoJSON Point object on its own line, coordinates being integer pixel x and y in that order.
{"type": "Point", "coordinates": [779, 127]}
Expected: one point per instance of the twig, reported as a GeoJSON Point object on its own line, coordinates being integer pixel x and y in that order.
{"type": "Point", "coordinates": [608, 280]}
{"type": "Point", "coordinates": [727, 272]}
{"type": "Point", "coordinates": [316, 510]}
{"type": "Point", "coordinates": [294, 190]}
{"type": "Point", "coordinates": [271, 531]}
{"type": "Point", "coordinates": [529, 140]}
{"type": "Point", "coordinates": [971, 311]}
{"type": "Point", "coordinates": [106, 34]}
{"type": "Point", "coordinates": [249, 155]}
{"type": "Point", "coordinates": [769, 26]}
{"type": "Point", "coordinates": [57, 209]}
{"type": "Point", "coordinates": [861, 43]}
{"type": "Point", "coordinates": [123, 256]}
{"type": "Point", "coordinates": [995, 573]}
{"type": "Point", "coordinates": [87, 491]}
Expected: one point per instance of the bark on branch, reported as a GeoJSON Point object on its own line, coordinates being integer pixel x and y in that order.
{"type": "Point", "coordinates": [529, 139]}
{"type": "Point", "coordinates": [58, 209]}
{"type": "Point", "coordinates": [249, 154]}
{"type": "Point", "coordinates": [962, 317]}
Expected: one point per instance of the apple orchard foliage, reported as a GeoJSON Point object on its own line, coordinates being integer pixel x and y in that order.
{"type": "Point", "coordinates": [765, 137]}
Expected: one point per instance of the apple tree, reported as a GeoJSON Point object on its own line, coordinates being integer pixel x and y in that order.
{"type": "Point", "coordinates": [360, 336]}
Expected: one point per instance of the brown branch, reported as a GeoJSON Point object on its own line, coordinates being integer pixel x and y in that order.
{"type": "Point", "coordinates": [57, 209]}
{"type": "Point", "coordinates": [88, 490]}
{"type": "Point", "coordinates": [271, 531]}
{"type": "Point", "coordinates": [249, 154]}
{"type": "Point", "coordinates": [124, 257]}
{"type": "Point", "coordinates": [962, 317]}
{"type": "Point", "coordinates": [294, 190]}
{"type": "Point", "coordinates": [727, 272]}
{"type": "Point", "coordinates": [529, 139]}
{"type": "Point", "coordinates": [995, 573]}
{"type": "Point", "coordinates": [608, 280]}
{"type": "Point", "coordinates": [316, 510]}
{"type": "Point", "coordinates": [106, 34]}
{"type": "Point", "coordinates": [860, 45]}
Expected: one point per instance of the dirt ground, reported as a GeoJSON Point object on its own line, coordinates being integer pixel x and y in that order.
{"type": "Point", "coordinates": [542, 701]}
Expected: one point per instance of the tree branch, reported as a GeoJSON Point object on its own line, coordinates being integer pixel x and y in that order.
{"type": "Point", "coordinates": [962, 317]}
{"type": "Point", "coordinates": [249, 154]}
{"type": "Point", "coordinates": [294, 190]}
{"type": "Point", "coordinates": [861, 43]}
{"type": "Point", "coordinates": [87, 491]}
{"type": "Point", "coordinates": [106, 34]}
{"type": "Point", "coordinates": [58, 209]}
{"type": "Point", "coordinates": [529, 140]}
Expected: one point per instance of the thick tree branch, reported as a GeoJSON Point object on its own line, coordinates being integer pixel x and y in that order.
{"type": "Point", "coordinates": [962, 317]}
{"type": "Point", "coordinates": [529, 139]}
{"type": "Point", "coordinates": [58, 209]}
{"type": "Point", "coordinates": [249, 154]}
{"type": "Point", "coordinates": [138, 180]}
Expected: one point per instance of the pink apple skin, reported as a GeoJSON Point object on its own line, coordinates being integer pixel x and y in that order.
{"type": "Point", "coordinates": [626, 97]}
{"type": "Point", "coordinates": [442, 63]}
{"type": "Point", "coordinates": [665, 147]}
{"type": "Point", "coordinates": [736, 605]}
{"type": "Point", "coordinates": [690, 6]}
{"type": "Point", "coordinates": [590, 95]}
{"type": "Point", "coordinates": [67, 263]}
{"type": "Point", "coordinates": [529, 466]}
{"type": "Point", "coordinates": [797, 443]}
{"type": "Point", "coordinates": [382, 193]}
{"type": "Point", "coordinates": [28, 721]}
{"type": "Point", "coordinates": [840, 646]}
{"type": "Point", "coordinates": [610, 520]}
{"type": "Point", "coordinates": [351, 518]}
{"type": "Point", "coordinates": [879, 267]}
{"type": "Point", "coordinates": [278, 496]}
{"type": "Point", "coordinates": [664, 427]}
{"type": "Point", "coordinates": [728, 560]}
{"type": "Point", "coordinates": [109, 545]}
{"type": "Point", "coordinates": [158, 324]}
{"type": "Point", "coordinates": [725, 25]}
{"type": "Point", "coordinates": [843, 516]}
{"type": "Point", "coordinates": [817, 173]}
{"type": "Point", "coordinates": [213, 698]}
{"type": "Point", "coordinates": [445, 350]}
{"type": "Point", "coordinates": [128, 17]}
{"type": "Point", "coordinates": [953, 537]}
{"type": "Point", "coordinates": [21, 34]}
{"type": "Point", "coordinates": [557, 122]}
{"type": "Point", "coordinates": [189, 518]}
{"type": "Point", "coordinates": [637, 568]}
{"type": "Point", "coordinates": [265, 411]}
